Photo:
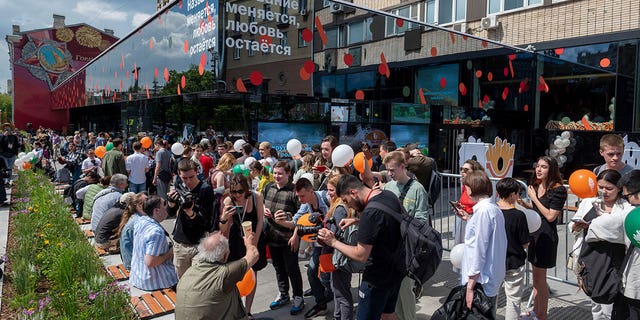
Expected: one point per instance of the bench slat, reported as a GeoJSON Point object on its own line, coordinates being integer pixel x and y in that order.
{"type": "Point", "coordinates": [162, 299]}
{"type": "Point", "coordinates": [171, 294]}
{"type": "Point", "coordinates": [140, 308]}
{"type": "Point", "coordinates": [155, 308]}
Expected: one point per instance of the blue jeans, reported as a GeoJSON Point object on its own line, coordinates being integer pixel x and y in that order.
{"type": "Point", "coordinates": [376, 301]}
{"type": "Point", "coordinates": [137, 187]}
{"type": "Point", "coordinates": [320, 286]}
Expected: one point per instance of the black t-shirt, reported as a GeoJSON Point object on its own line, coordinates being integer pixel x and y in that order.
{"type": "Point", "coordinates": [382, 231]}
{"type": "Point", "coordinates": [108, 224]}
{"type": "Point", "coordinates": [190, 231]}
{"type": "Point", "coordinates": [515, 224]}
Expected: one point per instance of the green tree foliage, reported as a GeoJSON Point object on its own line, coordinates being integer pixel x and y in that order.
{"type": "Point", "coordinates": [6, 107]}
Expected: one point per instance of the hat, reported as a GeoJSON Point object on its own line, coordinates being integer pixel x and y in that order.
{"type": "Point", "coordinates": [125, 197]}
{"type": "Point", "coordinates": [315, 148]}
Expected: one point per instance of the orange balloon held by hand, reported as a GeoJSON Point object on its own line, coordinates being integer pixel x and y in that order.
{"type": "Point", "coordinates": [248, 282]}
{"type": "Point", "coordinates": [583, 183]}
{"type": "Point", "coordinates": [358, 162]}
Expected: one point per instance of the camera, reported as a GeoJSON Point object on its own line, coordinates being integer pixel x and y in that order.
{"type": "Point", "coordinates": [185, 199]}
{"type": "Point", "coordinates": [316, 219]}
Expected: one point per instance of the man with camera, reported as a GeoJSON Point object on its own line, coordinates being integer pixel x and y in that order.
{"type": "Point", "coordinates": [315, 204]}
{"type": "Point", "coordinates": [280, 202]}
{"type": "Point", "coordinates": [193, 203]}
{"type": "Point", "coordinates": [91, 163]}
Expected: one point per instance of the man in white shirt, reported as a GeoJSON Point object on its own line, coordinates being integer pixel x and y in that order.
{"type": "Point", "coordinates": [137, 166]}
{"type": "Point", "coordinates": [91, 163]}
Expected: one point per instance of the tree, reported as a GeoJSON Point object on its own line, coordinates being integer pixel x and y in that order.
{"type": "Point", "coordinates": [6, 107]}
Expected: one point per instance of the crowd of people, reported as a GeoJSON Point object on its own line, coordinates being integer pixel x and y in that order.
{"type": "Point", "coordinates": [212, 198]}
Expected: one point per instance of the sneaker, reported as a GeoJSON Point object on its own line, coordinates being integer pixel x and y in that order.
{"type": "Point", "coordinates": [298, 305]}
{"type": "Point", "coordinates": [280, 301]}
{"type": "Point", "coordinates": [317, 310]}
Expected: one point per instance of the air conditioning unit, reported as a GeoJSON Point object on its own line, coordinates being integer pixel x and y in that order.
{"type": "Point", "coordinates": [490, 22]}
{"type": "Point", "coordinates": [336, 8]}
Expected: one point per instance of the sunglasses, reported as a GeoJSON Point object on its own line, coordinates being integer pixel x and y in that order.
{"type": "Point", "coordinates": [239, 191]}
{"type": "Point", "coordinates": [626, 196]}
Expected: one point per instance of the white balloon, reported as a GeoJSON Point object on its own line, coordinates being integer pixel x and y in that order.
{"type": "Point", "coordinates": [553, 152]}
{"type": "Point", "coordinates": [341, 155]}
{"type": "Point", "coordinates": [248, 161]}
{"type": "Point", "coordinates": [456, 255]}
{"type": "Point", "coordinates": [561, 150]}
{"type": "Point", "coordinates": [294, 146]}
{"type": "Point", "coordinates": [21, 154]}
{"type": "Point", "coordinates": [562, 158]}
{"type": "Point", "coordinates": [238, 145]}
{"type": "Point", "coordinates": [18, 164]}
{"type": "Point", "coordinates": [558, 142]}
{"type": "Point", "coordinates": [566, 143]}
{"type": "Point", "coordinates": [177, 148]}
{"type": "Point", "coordinates": [533, 218]}
{"type": "Point", "coordinates": [308, 176]}
{"type": "Point", "coordinates": [565, 135]}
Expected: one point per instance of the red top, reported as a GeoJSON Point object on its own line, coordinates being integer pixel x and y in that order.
{"type": "Point", "coordinates": [207, 164]}
{"type": "Point", "coordinates": [466, 202]}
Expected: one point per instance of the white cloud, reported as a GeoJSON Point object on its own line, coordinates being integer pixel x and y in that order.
{"type": "Point", "coordinates": [99, 10]}
{"type": "Point", "coordinates": [139, 18]}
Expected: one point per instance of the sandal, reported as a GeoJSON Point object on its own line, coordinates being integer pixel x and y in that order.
{"type": "Point", "coordinates": [250, 316]}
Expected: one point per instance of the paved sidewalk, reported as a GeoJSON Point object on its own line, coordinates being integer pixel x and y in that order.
{"type": "Point", "coordinates": [4, 232]}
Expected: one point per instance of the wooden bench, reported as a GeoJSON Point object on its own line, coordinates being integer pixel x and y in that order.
{"type": "Point", "coordinates": [100, 252]}
{"type": "Point", "coordinates": [154, 304]}
{"type": "Point", "coordinates": [118, 272]}
{"type": "Point", "coordinates": [89, 234]}
{"type": "Point", "coordinates": [83, 221]}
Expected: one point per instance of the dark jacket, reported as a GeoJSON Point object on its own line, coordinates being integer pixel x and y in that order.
{"type": "Point", "coordinates": [455, 307]}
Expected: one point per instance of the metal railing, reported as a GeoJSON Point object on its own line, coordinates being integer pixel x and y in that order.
{"type": "Point", "coordinates": [444, 222]}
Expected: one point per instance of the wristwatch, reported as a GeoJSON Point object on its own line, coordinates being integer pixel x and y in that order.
{"type": "Point", "coordinates": [224, 221]}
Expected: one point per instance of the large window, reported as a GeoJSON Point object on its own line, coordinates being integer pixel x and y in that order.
{"type": "Point", "coordinates": [301, 42]}
{"type": "Point", "coordinates": [496, 6]}
{"type": "Point", "coordinates": [359, 32]}
{"type": "Point", "coordinates": [334, 38]}
{"type": "Point", "coordinates": [446, 11]}
{"type": "Point", "coordinates": [411, 12]}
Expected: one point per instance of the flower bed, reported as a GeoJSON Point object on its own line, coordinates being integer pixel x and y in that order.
{"type": "Point", "coordinates": [52, 271]}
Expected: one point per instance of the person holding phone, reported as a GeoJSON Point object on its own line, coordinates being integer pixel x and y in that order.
{"type": "Point", "coordinates": [464, 206]}
{"type": "Point", "coordinates": [241, 205]}
{"type": "Point", "coordinates": [595, 221]}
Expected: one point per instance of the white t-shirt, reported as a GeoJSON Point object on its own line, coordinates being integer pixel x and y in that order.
{"type": "Point", "coordinates": [136, 165]}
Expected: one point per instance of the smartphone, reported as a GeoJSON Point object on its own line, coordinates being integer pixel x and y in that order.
{"type": "Point", "coordinates": [455, 205]}
{"type": "Point", "coordinates": [577, 219]}
{"type": "Point", "coordinates": [321, 168]}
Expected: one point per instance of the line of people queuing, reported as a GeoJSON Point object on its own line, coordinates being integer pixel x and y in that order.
{"type": "Point", "coordinates": [211, 253]}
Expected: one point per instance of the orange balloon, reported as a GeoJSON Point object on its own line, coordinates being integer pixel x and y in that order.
{"type": "Point", "coordinates": [100, 151]}
{"type": "Point", "coordinates": [358, 162]}
{"type": "Point", "coordinates": [26, 165]}
{"type": "Point", "coordinates": [304, 221]}
{"type": "Point", "coordinates": [248, 282]}
{"type": "Point", "coordinates": [146, 142]}
{"type": "Point", "coordinates": [583, 183]}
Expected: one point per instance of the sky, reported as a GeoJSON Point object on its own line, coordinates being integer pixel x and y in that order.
{"type": "Point", "coordinates": [122, 16]}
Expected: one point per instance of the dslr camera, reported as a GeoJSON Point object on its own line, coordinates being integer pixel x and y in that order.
{"type": "Point", "coordinates": [185, 198]}
{"type": "Point", "coordinates": [317, 219]}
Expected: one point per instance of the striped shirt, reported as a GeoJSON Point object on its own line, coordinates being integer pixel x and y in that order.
{"type": "Point", "coordinates": [149, 238]}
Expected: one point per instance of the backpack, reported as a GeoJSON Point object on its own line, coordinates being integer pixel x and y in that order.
{"type": "Point", "coordinates": [426, 172]}
{"type": "Point", "coordinates": [422, 245]}
{"type": "Point", "coordinates": [349, 236]}
{"type": "Point", "coordinates": [600, 266]}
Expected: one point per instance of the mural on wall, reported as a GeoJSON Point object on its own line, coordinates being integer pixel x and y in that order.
{"type": "Point", "coordinates": [497, 158]}
{"type": "Point", "coordinates": [46, 60]}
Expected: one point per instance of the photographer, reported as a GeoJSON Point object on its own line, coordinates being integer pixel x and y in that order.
{"type": "Point", "coordinates": [91, 163]}
{"type": "Point", "coordinates": [315, 204]}
{"type": "Point", "coordinates": [193, 202]}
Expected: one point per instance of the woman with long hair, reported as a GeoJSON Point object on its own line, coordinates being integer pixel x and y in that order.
{"type": "Point", "coordinates": [219, 175]}
{"type": "Point", "coordinates": [340, 279]}
{"type": "Point", "coordinates": [242, 205]}
{"type": "Point", "coordinates": [125, 231]}
{"type": "Point", "coordinates": [465, 203]}
{"type": "Point", "coordinates": [599, 225]}
{"type": "Point", "coordinates": [260, 175]}
{"type": "Point", "coordinates": [306, 167]}
{"type": "Point", "coordinates": [548, 197]}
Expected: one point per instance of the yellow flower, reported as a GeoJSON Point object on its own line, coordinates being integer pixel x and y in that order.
{"type": "Point", "coordinates": [39, 256]}
{"type": "Point", "coordinates": [48, 224]}
{"type": "Point", "coordinates": [42, 235]}
{"type": "Point", "coordinates": [59, 244]}
{"type": "Point", "coordinates": [62, 293]}
{"type": "Point", "coordinates": [46, 242]}
{"type": "Point", "coordinates": [30, 208]}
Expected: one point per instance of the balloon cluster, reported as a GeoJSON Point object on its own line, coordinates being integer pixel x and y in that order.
{"type": "Point", "coordinates": [241, 169]}
{"type": "Point", "coordinates": [26, 160]}
{"type": "Point", "coordinates": [562, 148]}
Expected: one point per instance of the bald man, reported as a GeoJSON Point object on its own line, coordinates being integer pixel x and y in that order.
{"type": "Point", "coordinates": [207, 290]}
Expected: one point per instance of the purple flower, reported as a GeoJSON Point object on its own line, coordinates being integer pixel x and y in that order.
{"type": "Point", "coordinates": [92, 296]}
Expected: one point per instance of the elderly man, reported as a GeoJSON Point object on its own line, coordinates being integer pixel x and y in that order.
{"type": "Point", "coordinates": [107, 198]}
{"type": "Point", "coordinates": [208, 289]}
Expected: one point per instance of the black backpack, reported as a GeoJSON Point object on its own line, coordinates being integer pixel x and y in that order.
{"type": "Point", "coordinates": [425, 169]}
{"type": "Point", "coordinates": [422, 244]}
{"type": "Point", "coordinates": [600, 266]}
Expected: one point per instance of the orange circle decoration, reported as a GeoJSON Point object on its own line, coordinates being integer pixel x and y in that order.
{"type": "Point", "coordinates": [247, 284]}
{"type": "Point", "coordinates": [443, 82]}
{"type": "Point", "coordinates": [399, 22]}
{"type": "Point", "coordinates": [359, 95]}
{"type": "Point", "coordinates": [304, 75]}
{"type": "Point", "coordinates": [462, 88]}
{"type": "Point", "coordinates": [479, 74]}
{"type": "Point", "coordinates": [583, 183]}
{"type": "Point", "coordinates": [146, 142]}
{"type": "Point", "coordinates": [186, 46]}
{"type": "Point", "coordinates": [348, 59]}
{"type": "Point", "coordinates": [256, 78]}
{"type": "Point", "coordinates": [559, 51]}
{"type": "Point", "coordinates": [605, 62]}
{"type": "Point", "coordinates": [358, 162]}
{"type": "Point", "coordinates": [434, 51]}
{"type": "Point", "coordinates": [309, 66]}
{"type": "Point", "coordinates": [490, 76]}
{"type": "Point", "coordinates": [100, 151]}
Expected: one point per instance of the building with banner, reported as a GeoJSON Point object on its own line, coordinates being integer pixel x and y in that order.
{"type": "Point", "coordinates": [433, 72]}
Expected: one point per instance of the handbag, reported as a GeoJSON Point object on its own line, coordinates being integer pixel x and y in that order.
{"type": "Point", "coordinates": [455, 307]}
